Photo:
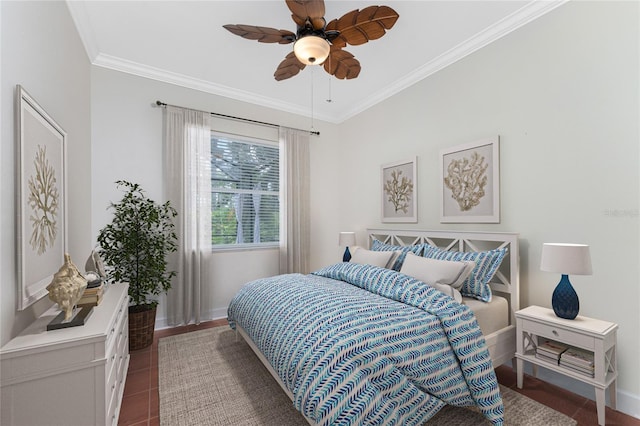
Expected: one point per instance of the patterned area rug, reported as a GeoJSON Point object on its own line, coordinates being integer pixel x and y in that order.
{"type": "Point", "coordinates": [210, 377]}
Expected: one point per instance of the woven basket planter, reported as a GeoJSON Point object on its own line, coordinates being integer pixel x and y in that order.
{"type": "Point", "coordinates": [141, 324]}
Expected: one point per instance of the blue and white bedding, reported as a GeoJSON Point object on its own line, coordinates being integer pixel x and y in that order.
{"type": "Point", "coordinates": [359, 344]}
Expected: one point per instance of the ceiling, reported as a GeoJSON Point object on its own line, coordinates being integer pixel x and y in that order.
{"type": "Point", "coordinates": [184, 43]}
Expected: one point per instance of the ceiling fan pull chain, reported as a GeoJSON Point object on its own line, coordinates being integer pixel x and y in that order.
{"type": "Point", "coordinates": [312, 81]}
{"type": "Point", "coordinates": [329, 76]}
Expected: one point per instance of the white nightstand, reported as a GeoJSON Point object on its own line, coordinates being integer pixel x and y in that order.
{"type": "Point", "coordinates": [596, 336]}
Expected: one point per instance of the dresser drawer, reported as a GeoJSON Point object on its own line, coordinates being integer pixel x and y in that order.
{"type": "Point", "coordinates": [121, 376]}
{"type": "Point", "coordinates": [111, 365]}
{"type": "Point", "coordinates": [559, 333]}
{"type": "Point", "coordinates": [112, 404]}
{"type": "Point", "coordinates": [112, 380]}
{"type": "Point", "coordinates": [120, 317]}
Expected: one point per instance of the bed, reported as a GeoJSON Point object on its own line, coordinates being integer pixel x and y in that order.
{"type": "Point", "coordinates": [357, 343]}
{"type": "Point", "coordinates": [496, 318]}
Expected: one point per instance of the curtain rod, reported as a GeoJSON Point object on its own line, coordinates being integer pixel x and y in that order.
{"type": "Point", "coordinates": [231, 117]}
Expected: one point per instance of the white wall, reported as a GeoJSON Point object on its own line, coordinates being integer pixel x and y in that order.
{"type": "Point", "coordinates": [127, 144]}
{"type": "Point", "coordinates": [563, 94]}
{"type": "Point", "coordinates": [41, 51]}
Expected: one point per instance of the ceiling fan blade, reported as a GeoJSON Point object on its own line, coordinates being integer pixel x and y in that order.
{"type": "Point", "coordinates": [359, 26]}
{"type": "Point", "coordinates": [288, 68]}
{"type": "Point", "coordinates": [303, 9]}
{"type": "Point", "coordinates": [262, 34]}
{"type": "Point", "coordinates": [342, 64]}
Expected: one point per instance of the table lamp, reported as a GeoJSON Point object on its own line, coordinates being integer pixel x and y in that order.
{"type": "Point", "coordinates": [565, 259]}
{"type": "Point", "coordinates": [347, 239]}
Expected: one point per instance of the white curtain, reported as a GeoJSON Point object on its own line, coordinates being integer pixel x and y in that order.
{"type": "Point", "coordinates": [256, 208]}
{"type": "Point", "coordinates": [294, 201]}
{"type": "Point", "coordinates": [187, 145]}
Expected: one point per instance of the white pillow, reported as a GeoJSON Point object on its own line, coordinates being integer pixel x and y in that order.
{"type": "Point", "coordinates": [445, 275]}
{"type": "Point", "coordinates": [449, 291]}
{"type": "Point", "coordinates": [368, 257]}
{"type": "Point", "coordinates": [432, 271]}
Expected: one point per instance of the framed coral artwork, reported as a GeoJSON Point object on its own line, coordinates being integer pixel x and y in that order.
{"type": "Point", "coordinates": [41, 207]}
{"type": "Point", "coordinates": [470, 182]}
{"type": "Point", "coordinates": [399, 189]}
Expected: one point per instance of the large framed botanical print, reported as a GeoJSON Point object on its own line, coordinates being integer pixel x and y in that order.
{"type": "Point", "coordinates": [470, 182]}
{"type": "Point", "coordinates": [399, 189]}
{"type": "Point", "coordinates": [41, 198]}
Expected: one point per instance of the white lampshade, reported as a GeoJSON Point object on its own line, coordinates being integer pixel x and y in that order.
{"type": "Point", "coordinates": [311, 50]}
{"type": "Point", "coordinates": [347, 239]}
{"type": "Point", "coordinates": [567, 259]}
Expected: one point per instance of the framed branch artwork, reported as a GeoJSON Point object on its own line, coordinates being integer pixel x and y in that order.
{"type": "Point", "coordinates": [399, 189]}
{"type": "Point", "coordinates": [470, 182]}
{"type": "Point", "coordinates": [41, 198]}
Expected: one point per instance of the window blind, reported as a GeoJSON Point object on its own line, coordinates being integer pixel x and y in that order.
{"type": "Point", "coordinates": [245, 191]}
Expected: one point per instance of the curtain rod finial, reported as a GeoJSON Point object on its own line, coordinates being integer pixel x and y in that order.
{"type": "Point", "coordinates": [161, 104]}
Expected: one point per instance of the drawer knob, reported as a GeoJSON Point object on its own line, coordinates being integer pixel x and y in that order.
{"type": "Point", "coordinates": [555, 333]}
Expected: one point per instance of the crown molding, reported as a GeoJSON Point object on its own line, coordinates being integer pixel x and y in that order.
{"type": "Point", "coordinates": [158, 74]}
{"type": "Point", "coordinates": [80, 18]}
{"type": "Point", "coordinates": [531, 11]}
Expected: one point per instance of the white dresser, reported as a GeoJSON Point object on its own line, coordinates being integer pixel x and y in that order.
{"type": "Point", "coordinates": [73, 376]}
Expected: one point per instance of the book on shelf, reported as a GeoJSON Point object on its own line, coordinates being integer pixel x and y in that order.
{"type": "Point", "coordinates": [577, 366]}
{"type": "Point", "coordinates": [92, 295]}
{"type": "Point", "coordinates": [578, 357]}
{"type": "Point", "coordinates": [582, 370]}
{"type": "Point", "coordinates": [94, 283]}
{"type": "Point", "coordinates": [93, 290]}
{"type": "Point", "coordinates": [90, 301]}
{"type": "Point", "coordinates": [551, 349]}
{"type": "Point", "coordinates": [544, 357]}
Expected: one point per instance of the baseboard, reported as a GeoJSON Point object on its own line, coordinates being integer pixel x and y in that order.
{"type": "Point", "coordinates": [626, 402]}
{"type": "Point", "coordinates": [213, 314]}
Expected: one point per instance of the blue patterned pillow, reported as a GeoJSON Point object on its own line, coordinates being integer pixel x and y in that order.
{"type": "Point", "coordinates": [487, 263]}
{"type": "Point", "coordinates": [378, 245]}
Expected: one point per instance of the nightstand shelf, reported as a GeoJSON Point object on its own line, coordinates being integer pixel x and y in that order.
{"type": "Point", "coordinates": [536, 324]}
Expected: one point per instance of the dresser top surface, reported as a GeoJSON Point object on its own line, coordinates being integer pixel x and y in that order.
{"type": "Point", "coordinates": [97, 325]}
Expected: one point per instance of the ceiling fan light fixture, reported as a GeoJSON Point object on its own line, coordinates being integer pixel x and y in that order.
{"type": "Point", "coordinates": [311, 49]}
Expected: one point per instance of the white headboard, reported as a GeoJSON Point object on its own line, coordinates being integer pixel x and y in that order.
{"type": "Point", "coordinates": [506, 281]}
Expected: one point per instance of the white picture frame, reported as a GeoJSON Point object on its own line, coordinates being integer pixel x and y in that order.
{"type": "Point", "coordinates": [399, 191]}
{"type": "Point", "coordinates": [477, 163]}
{"type": "Point", "coordinates": [40, 197]}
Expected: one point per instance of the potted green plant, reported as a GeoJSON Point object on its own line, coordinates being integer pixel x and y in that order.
{"type": "Point", "coordinates": [135, 246]}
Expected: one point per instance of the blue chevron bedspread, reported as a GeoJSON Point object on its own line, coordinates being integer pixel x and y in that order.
{"type": "Point", "coordinates": [362, 345]}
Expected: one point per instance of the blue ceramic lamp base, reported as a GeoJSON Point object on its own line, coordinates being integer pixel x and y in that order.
{"type": "Point", "coordinates": [565, 299]}
{"type": "Point", "coordinates": [347, 255]}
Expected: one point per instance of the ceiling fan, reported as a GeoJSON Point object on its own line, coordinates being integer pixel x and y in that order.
{"type": "Point", "coordinates": [319, 43]}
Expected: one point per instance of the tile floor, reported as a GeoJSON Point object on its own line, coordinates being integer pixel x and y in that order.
{"type": "Point", "coordinates": [140, 406]}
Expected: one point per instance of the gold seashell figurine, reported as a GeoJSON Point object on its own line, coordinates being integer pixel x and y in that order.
{"type": "Point", "coordinates": [67, 287]}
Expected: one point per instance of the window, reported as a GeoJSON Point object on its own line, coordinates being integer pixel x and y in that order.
{"type": "Point", "coordinates": [245, 202]}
